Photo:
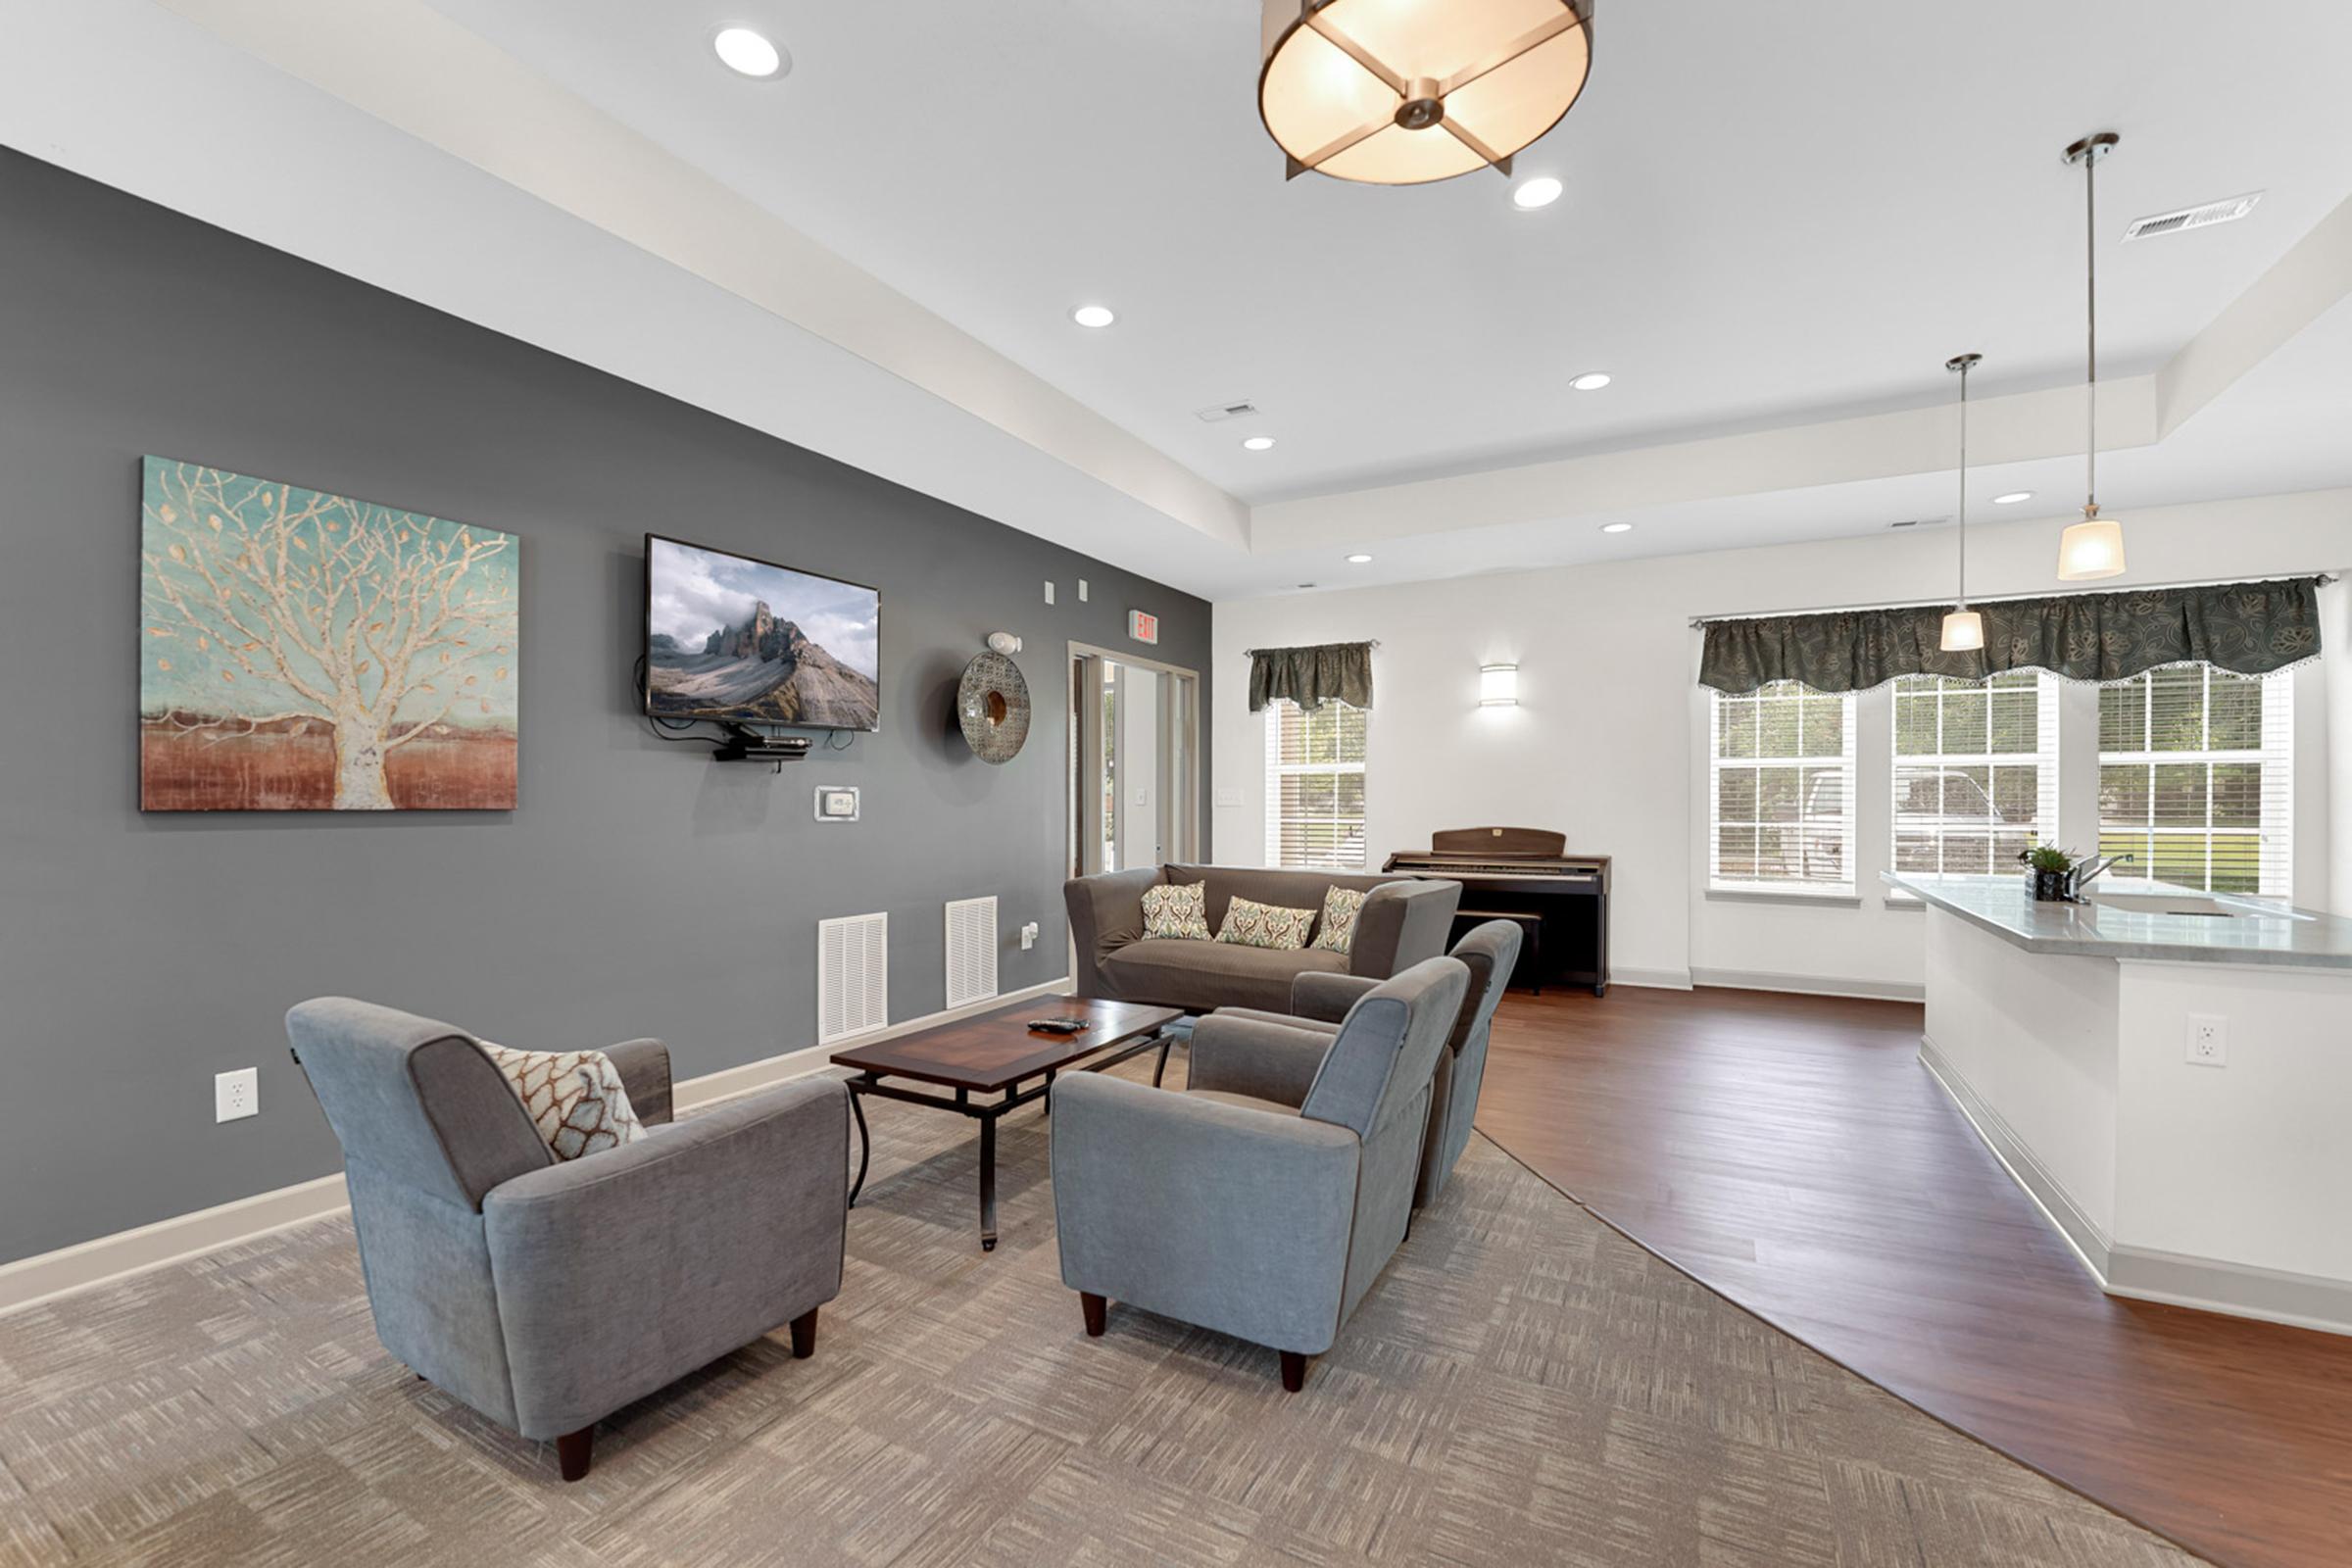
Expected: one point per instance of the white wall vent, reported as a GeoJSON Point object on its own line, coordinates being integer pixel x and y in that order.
{"type": "Point", "coordinates": [971, 951]}
{"type": "Point", "coordinates": [852, 976]}
{"type": "Point", "coordinates": [2227, 210]}
{"type": "Point", "coordinates": [1224, 411]}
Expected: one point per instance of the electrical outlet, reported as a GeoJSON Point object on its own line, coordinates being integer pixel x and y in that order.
{"type": "Point", "coordinates": [236, 1095]}
{"type": "Point", "coordinates": [2208, 1040]}
{"type": "Point", "coordinates": [1029, 936]}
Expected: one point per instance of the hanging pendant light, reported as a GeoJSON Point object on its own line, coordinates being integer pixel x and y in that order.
{"type": "Point", "coordinates": [2094, 546]}
{"type": "Point", "coordinates": [1402, 92]}
{"type": "Point", "coordinates": [1963, 627]}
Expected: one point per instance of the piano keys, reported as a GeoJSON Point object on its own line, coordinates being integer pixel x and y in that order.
{"type": "Point", "coordinates": [1525, 875]}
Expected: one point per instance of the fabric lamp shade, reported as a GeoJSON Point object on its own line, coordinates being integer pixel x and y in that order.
{"type": "Point", "coordinates": [2090, 549]}
{"type": "Point", "coordinates": [1963, 631]}
{"type": "Point", "coordinates": [1402, 92]}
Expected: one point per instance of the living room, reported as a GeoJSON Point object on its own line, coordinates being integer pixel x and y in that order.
{"type": "Point", "coordinates": [1268, 812]}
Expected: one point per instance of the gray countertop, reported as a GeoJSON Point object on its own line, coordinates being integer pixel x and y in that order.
{"type": "Point", "coordinates": [2269, 932]}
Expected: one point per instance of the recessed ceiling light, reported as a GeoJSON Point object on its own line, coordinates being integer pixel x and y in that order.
{"type": "Point", "coordinates": [2013, 498]}
{"type": "Point", "coordinates": [1616, 528]}
{"type": "Point", "coordinates": [1357, 560]}
{"type": "Point", "coordinates": [1530, 194]}
{"type": "Point", "coordinates": [748, 53]}
{"type": "Point", "coordinates": [1094, 315]}
{"type": "Point", "coordinates": [1590, 381]}
{"type": "Point", "coordinates": [1258, 443]}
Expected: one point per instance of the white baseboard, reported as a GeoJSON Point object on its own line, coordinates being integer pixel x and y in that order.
{"type": "Point", "coordinates": [1811, 984]}
{"type": "Point", "coordinates": [2207, 1284]}
{"type": "Point", "coordinates": [1653, 979]}
{"type": "Point", "coordinates": [31, 1281]}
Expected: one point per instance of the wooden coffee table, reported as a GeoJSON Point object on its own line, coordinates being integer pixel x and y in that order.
{"type": "Point", "coordinates": [994, 1052]}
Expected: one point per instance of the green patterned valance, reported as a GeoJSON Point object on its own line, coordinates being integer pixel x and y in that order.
{"type": "Point", "coordinates": [2249, 627]}
{"type": "Point", "coordinates": [1311, 677]}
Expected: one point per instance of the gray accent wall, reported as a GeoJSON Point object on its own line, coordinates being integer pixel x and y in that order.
{"type": "Point", "coordinates": [638, 889]}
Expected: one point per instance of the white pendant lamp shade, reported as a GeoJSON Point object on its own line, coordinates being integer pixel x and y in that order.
{"type": "Point", "coordinates": [1963, 627]}
{"type": "Point", "coordinates": [1402, 92]}
{"type": "Point", "coordinates": [2090, 549]}
{"type": "Point", "coordinates": [2094, 547]}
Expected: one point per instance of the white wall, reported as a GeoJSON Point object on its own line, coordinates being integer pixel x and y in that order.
{"type": "Point", "coordinates": [1609, 744]}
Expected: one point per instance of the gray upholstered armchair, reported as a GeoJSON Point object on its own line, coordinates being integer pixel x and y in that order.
{"type": "Point", "coordinates": [1264, 1199]}
{"type": "Point", "coordinates": [1490, 950]}
{"type": "Point", "coordinates": [548, 1294]}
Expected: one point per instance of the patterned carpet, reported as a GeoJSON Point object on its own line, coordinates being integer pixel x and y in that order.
{"type": "Point", "coordinates": [1524, 1386]}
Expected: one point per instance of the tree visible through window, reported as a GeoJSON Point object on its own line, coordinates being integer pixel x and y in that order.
{"type": "Point", "coordinates": [1781, 811]}
{"type": "Point", "coordinates": [2197, 778]}
{"type": "Point", "coordinates": [1315, 785]}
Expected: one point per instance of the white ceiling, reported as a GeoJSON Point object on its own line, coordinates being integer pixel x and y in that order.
{"type": "Point", "coordinates": [1771, 211]}
{"type": "Point", "coordinates": [875, 256]}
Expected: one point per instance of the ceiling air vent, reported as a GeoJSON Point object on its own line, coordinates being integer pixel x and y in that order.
{"type": "Point", "coordinates": [2228, 211]}
{"type": "Point", "coordinates": [1224, 411]}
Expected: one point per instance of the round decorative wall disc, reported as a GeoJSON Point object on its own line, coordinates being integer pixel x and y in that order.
{"type": "Point", "coordinates": [991, 704]}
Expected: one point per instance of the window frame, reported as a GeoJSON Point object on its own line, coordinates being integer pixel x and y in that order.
{"type": "Point", "coordinates": [2047, 760]}
{"type": "Point", "coordinates": [1813, 767]}
{"type": "Point", "coordinates": [1277, 770]}
{"type": "Point", "coordinates": [2274, 841]}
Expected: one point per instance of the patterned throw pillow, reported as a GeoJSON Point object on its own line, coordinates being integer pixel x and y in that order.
{"type": "Point", "coordinates": [1341, 906]}
{"type": "Point", "coordinates": [1265, 926]}
{"type": "Point", "coordinates": [1177, 911]}
{"type": "Point", "coordinates": [575, 1097]}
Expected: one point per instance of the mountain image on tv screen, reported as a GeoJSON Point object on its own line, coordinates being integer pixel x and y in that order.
{"type": "Point", "coordinates": [741, 640]}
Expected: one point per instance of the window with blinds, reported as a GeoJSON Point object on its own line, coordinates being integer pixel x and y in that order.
{"type": "Point", "coordinates": [1315, 785]}
{"type": "Point", "coordinates": [1976, 771]}
{"type": "Point", "coordinates": [1782, 809]}
{"type": "Point", "coordinates": [2197, 778]}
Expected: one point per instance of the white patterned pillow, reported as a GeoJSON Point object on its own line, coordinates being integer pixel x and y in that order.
{"type": "Point", "coordinates": [1177, 911]}
{"type": "Point", "coordinates": [574, 1097]}
{"type": "Point", "coordinates": [1341, 906]}
{"type": "Point", "coordinates": [1252, 924]}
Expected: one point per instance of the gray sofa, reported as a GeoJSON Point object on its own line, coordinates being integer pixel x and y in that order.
{"type": "Point", "coordinates": [1401, 923]}
{"type": "Point", "coordinates": [1321, 1000]}
{"type": "Point", "coordinates": [547, 1295]}
{"type": "Point", "coordinates": [1264, 1199]}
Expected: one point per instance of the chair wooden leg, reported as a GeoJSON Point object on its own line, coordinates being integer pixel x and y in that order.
{"type": "Point", "coordinates": [571, 1452]}
{"type": "Point", "coordinates": [1094, 1306]}
{"type": "Point", "coordinates": [1294, 1371]}
{"type": "Point", "coordinates": [803, 1336]}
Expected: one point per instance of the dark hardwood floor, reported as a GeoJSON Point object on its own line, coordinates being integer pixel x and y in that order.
{"type": "Point", "coordinates": [1790, 1153]}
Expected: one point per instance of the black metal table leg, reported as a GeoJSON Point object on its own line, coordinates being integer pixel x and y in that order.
{"type": "Point", "coordinates": [1160, 1070]}
{"type": "Point", "coordinates": [865, 1142]}
{"type": "Point", "coordinates": [988, 1182]}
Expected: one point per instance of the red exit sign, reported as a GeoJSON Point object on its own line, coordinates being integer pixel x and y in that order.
{"type": "Point", "coordinates": [1141, 627]}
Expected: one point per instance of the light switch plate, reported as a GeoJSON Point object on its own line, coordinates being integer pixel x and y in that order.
{"type": "Point", "coordinates": [1229, 796]}
{"type": "Point", "coordinates": [236, 1095]}
{"type": "Point", "coordinates": [837, 803]}
{"type": "Point", "coordinates": [1082, 590]}
{"type": "Point", "coordinates": [1048, 590]}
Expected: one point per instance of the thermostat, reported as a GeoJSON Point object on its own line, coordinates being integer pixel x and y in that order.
{"type": "Point", "coordinates": [836, 803]}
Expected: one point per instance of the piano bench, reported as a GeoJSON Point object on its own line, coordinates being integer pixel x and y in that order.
{"type": "Point", "coordinates": [1531, 938]}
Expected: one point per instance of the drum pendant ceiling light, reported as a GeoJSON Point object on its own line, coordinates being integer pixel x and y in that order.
{"type": "Point", "coordinates": [1402, 92]}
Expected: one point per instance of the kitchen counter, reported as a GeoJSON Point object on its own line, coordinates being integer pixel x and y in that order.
{"type": "Point", "coordinates": [2267, 932]}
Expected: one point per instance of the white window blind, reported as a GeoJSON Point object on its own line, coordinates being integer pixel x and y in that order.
{"type": "Point", "coordinates": [1976, 771]}
{"type": "Point", "coordinates": [1315, 785]}
{"type": "Point", "coordinates": [1782, 809]}
{"type": "Point", "coordinates": [2197, 778]}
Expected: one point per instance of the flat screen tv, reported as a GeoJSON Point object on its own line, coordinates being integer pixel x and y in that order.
{"type": "Point", "coordinates": [741, 641]}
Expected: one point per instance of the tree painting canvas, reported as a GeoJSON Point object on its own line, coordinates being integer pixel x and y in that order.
{"type": "Point", "coordinates": [301, 651]}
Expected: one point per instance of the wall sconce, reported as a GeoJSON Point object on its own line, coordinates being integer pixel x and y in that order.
{"type": "Point", "coordinates": [1498, 685]}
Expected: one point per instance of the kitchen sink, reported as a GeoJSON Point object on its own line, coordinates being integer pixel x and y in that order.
{"type": "Point", "coordinates": [2195, 903]}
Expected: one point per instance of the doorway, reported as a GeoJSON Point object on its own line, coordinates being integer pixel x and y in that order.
{"type": "Point", "coordinates": [1135, 761]}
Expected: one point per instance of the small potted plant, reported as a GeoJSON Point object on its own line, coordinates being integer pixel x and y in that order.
{"type": "Point", "coordinates": [2051, 870]}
